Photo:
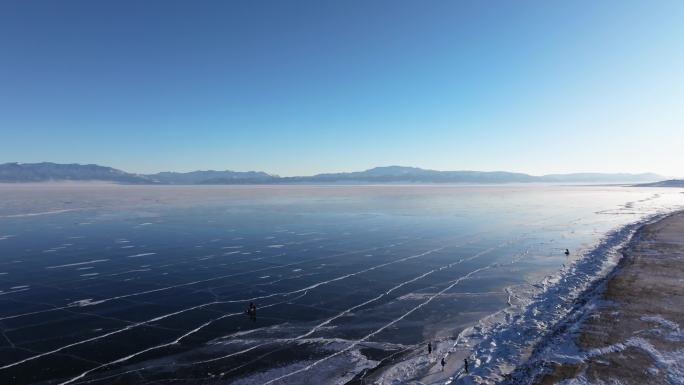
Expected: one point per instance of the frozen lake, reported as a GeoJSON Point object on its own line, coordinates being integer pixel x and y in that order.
{"type": "Point", "coordinates": [108, 284]}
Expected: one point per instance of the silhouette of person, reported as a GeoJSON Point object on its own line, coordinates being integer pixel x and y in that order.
{"type": "Point", "coordinates": [443, 363]}
{"type": "Point", "coordinates": [429, 347]}
{"type": "Point", "coordinates": [465, 364]}
{"type": "Point", "coordinates": [567, 252]}
{"type": "Point", "coordinates": [251, 311]}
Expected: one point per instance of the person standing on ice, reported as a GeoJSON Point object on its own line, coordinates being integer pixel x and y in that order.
{"type": "Point", "coordinates": [251, 311]}
{"type": "Point", "coordinates": [443, 363]}
{"type": "Point", "coordinates": [465, 364]}
{"type": "Point", "coordinates": [429, 347]}
{"type": "Point", "coordinates": [567, 252]}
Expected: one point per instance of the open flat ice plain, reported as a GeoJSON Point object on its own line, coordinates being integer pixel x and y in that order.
{"type": "Point", "coordinates": [111, 284]}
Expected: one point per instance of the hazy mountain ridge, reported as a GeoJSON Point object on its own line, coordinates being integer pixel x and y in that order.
{"type": "Point", "coordinates": [664, 183]}
{"type": "Point", "coordinates": [394, 174]}
{"type": "Point", "coordinates": [39, 172]}
{"type": "Point", "coordinates": [46, 171]}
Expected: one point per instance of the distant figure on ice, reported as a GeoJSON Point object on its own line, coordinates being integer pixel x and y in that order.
{"type": "Point", "coordinates": [465, 364]}
{"type": "Point", "coordinates": [567, 252]}
{"type": "Point", "coordinates": [251, 311]}
{"type": "Point", "coordinates": [429, 347]}
{"type": "Point", "coordinates": [443, 363]}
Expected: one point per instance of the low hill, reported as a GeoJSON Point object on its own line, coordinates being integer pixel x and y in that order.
{"type": "Point", "coordinates": [589, 177]}
{"type": "Point", "coordinates": [664, 183]}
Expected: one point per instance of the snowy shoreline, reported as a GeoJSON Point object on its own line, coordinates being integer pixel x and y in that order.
{"type": "Point", "coordinates": [504, 346]}
{"type": "Point", "coordinates": [629, 333]}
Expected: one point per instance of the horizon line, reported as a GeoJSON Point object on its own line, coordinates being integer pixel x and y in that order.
{"type": "Point", "coordinates": [343, 172]}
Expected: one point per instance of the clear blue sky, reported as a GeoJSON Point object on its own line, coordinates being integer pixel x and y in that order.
{"type": "Point", "coordinates": [300, 87]}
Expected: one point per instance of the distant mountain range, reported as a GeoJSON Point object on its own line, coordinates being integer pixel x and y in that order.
{"type": "Point", "coordinates": [40, 172]}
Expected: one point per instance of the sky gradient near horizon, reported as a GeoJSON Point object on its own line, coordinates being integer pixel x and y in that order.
{"type": "Point", "coordinates": [302, 87]}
